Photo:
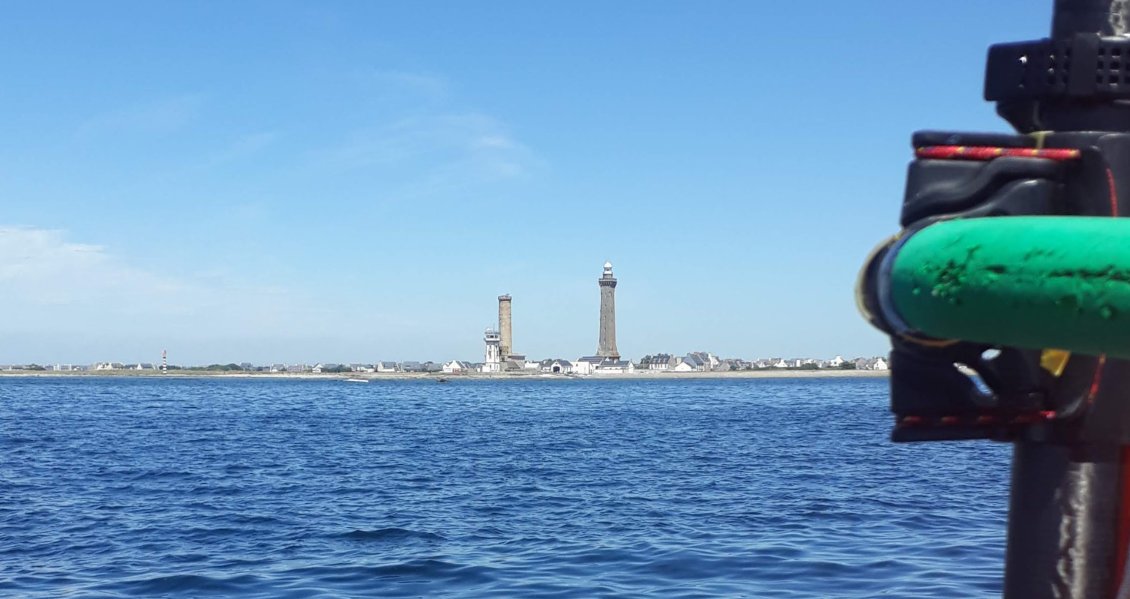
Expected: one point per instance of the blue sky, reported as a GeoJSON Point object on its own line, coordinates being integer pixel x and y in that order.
{"type": "Point", "coordinates": [358, 181]}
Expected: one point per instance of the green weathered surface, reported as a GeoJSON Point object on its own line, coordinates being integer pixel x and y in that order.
{"type": "Point", "coordinates": [1032, 282]}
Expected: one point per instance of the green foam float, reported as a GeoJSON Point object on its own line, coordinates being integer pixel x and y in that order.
{"type": "Point", "coordinates": [1025, 281]}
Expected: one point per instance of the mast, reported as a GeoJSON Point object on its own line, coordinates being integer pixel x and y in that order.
{"type": "Point", "coordinates": [1066, 414]}
{"type": "Point", "coordinates": [1066, 499]}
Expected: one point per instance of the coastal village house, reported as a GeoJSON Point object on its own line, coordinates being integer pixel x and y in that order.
{"type": "Point", "coordinates": [556, 366]}
{"type": "Point", "coordinates": [661, 362]}
{"type": "Point", "coordinates": [421, 367]}
{"type": "Point", "coordinates": [687, 365]}
{"type": "Point", "coordinates": [693, 362]}
{"type": "Point", "coordinates": [697, 362]}
{"type": "Point", "coordinates": [601, 365]}
{"type": "Point", "coordinates": [610, 366]}
{"type": "Point", "coordinates": [586, 365]}
{"type": "Point", "coordinates": [458, 367]}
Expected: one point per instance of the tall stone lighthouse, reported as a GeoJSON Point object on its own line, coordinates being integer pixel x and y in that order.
{"type": "Point", "coordinates": [506, 345]}
{"type": "Point", "coordinates": [607, 347]}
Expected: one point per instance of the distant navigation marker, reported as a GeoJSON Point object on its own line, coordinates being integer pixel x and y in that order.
{"type": "Point", "coordinates": [164, 362]}
{"type": "Point", "coordinates": [607, 346]}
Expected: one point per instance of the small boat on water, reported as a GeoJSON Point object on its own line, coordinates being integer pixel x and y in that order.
{"type": "Point", "coordinates": [356, 380]}
{"type": "Point", "coordinates": [441, 380]}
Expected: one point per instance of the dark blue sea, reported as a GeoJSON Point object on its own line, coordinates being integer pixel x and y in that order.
{"type": "Point", "coordinates": [148, 487]}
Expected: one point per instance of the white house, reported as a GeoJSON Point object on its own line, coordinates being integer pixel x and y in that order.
{"type": "Point", "coordinates": [662, 362]}
{"type": "Point", "coordinates": [586, 365]}
{"type": "Point", "coordinates": [457, 367]}
{"type": "Point", "coordinates": [561, 367]}
{"type": "Point", "coordinates": [692, 362]}
{"type": "Point", "coordinates": [610, 366]}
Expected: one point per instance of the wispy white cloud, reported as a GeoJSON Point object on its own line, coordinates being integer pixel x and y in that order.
{"type": "Point", "coordinates": [38, 267]}
{"type": "Point", "coordinates": [441, 149]}
{"type": "Point", "coordinates": [160, 117]}
{"type": "Point", "coordinates": [66, 287]}
{"type": "Point", "coordinates": [424, 141]}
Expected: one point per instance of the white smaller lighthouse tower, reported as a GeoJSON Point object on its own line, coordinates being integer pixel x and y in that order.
{"type": "Point", "coordinates": [493, 361]}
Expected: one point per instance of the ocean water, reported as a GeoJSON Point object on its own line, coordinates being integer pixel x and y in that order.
{"type": "Point", "coordinates": [128, 487]}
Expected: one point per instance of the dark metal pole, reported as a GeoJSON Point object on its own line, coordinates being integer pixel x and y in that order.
{"type": "Point", "coordinates": [1103, 17]}
{"type": "Point", "coordinates": [1079, 25]}
{"type": "Point", "coordinates": [1062, 522]}
{"type": "Point", "coordinates": [1065, 499]}
{"type": "Point", "coordinates": [1068, 416]}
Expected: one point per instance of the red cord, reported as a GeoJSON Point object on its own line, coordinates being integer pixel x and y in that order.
{"type": "Point", "coordinates": [989, 153]}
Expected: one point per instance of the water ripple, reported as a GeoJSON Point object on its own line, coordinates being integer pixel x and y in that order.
{"type": "Point", "coordinates": [695, 488]}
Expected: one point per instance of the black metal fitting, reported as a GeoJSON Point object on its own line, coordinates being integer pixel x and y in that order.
{"type": "Point", "coordinates": [954, 389]}
{"type": "Point", "coordinates": [1068, 415]}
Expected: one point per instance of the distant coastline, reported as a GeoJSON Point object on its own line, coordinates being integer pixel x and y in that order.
{"type": "Point", "coordinates": [390, 376]}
